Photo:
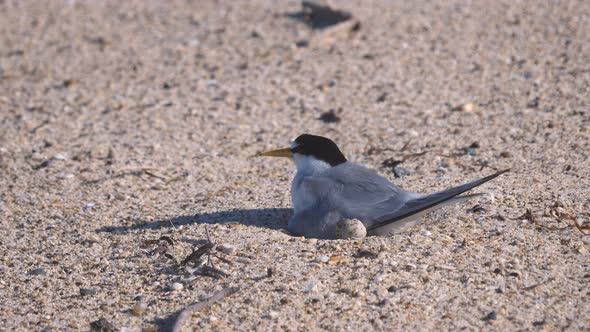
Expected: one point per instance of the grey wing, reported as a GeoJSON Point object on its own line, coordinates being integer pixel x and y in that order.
{"type": "Point", "coordinates": [417, 207]}
{"type": "Point", "coordinates": [357, 192]}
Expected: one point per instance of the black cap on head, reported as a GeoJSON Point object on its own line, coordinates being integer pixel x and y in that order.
{"type": "Point", "coordinates": [321, 148]}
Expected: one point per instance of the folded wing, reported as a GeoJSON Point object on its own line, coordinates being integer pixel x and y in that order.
{"type": "Point", "coordinates": [414, 208]}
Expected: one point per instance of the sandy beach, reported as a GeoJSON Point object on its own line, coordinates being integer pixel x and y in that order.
{"type": "Point", "coordinates": [128, 140]}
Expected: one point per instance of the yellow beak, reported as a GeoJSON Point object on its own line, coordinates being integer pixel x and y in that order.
{"type": "Point", "coordinates": [278, 153]}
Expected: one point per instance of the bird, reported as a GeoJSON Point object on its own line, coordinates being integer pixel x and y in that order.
{"type": "Point", "coordinates": [328, 188]}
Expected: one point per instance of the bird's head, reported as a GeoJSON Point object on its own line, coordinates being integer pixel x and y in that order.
{"type": "Point", "coordinates": [311, 153]}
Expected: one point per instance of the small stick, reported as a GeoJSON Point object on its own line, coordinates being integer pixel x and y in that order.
{"type": "Point", "coordinates": [200, 305]}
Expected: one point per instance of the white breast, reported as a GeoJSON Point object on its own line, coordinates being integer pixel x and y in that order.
{"type": "Point", "coordinates": [301, 196]}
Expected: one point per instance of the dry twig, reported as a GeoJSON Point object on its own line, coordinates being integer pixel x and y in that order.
{"type": "Point", "coordinates": [218, 296]}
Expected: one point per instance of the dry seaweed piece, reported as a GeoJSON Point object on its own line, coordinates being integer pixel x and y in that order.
{"type": "Point", "coordinates": [162, 247]}
{"type": "Point", "coordinates": [560, 217]}
{"type": "Point", "coordinates": [197, 254]}
{"type": "Point", "coordinates": [209, 249]}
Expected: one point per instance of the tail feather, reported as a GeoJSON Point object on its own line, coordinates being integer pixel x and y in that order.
{"type": "Point", "coordinates": [417, 207]}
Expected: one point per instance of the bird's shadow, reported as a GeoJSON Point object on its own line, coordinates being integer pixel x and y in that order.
{"type": "Point", "coordinates": [271, 218]}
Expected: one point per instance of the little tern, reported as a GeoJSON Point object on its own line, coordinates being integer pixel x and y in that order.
{"type": "Point", "coordinates": [328, 188]}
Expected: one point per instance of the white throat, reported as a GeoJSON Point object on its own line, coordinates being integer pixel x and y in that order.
{"type": "Point", "coordinates": [308, 165]}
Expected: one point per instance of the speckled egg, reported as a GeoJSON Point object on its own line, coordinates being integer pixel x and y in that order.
{"type": "Point", "coordinates": [350, 229]}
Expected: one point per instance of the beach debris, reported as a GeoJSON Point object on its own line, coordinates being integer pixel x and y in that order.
{"type": "Point", "coordinates": [365, 253]}
{"type": "Point", "coordinates": [350, 229]}
{"type": "Point", "coordinates": [43, 164]}
{"type": "Point", "coordinates": [329, 117]}
{"type": "Point", "coordinates": [476, 209]}
{"type": "Point", "coordinates": [139, 309]}
{"type": "Point", "coordinates": [393, 164]}
{"type": "Point", "coordinates": [176, 286]}
{"type": "Point", "coordinates": [186, 312]}
{"type": "Point", "coordinates": [334, 260]}
{"type": "Point", "coordinates": [399, 172]}
{"type": "Point", "coordinates": [60, 156]}
{"type": "Point", "coordinates": [466, 108]}
{"type": "Point", "coordinates": [319, 15]}
{"type": "Point", "coordinates": [491, 316]}
{"type": "Point", "coordinates": [311, 286]}
{"type": "Point", "coordinates": [162, 247]}
{"type": "Point", "coordinates": [322, 259]}
{"type": "Point", "coordinates": [226, 248]}
{"type": "Point", "coordinates": [330, 36]}
{"type": "Point", "coordinates": [87, 291]}
{"type": "Point", "coordinates": [556, 213]}
{"type": "Point", "coordinates": [38, 272]}
{"type": "Point", "coordinates": [334, 24]}
{"type": "Point", "coordinates": [471, 150]}
{"type": "Point", "coordinates": [211, 250]}
{"type": "Point", "coordinates": [103, 325]}
{"type": "Point", "coordinates": [213, 272]}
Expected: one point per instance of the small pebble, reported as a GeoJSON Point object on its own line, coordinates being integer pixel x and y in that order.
{"type": "Point", "coordinates": [491, 316]}
{"type": "Point", "coordinates": [384, 302]}
{"type": "Point", "coordinates": [243, 260]}
{"type": "Point", "coordinates": [273, 314]}
{"type": "Point", "coordinates": [176, 286]}
{"type": "Point", "coordinates": [379, 278]}
{"type": "Point", "coordinates": [322, 259]}
{"type": "Point", "coordinates": [87, 291]}
{"type": "Point", "coordinates": [60, 156]}
{"type": "Point", "coordinates": [399, 172]}
{"type": "Point", "coordinates": [38, 272]}
{"type": "Point", "coordinates": [310, 287]}
{"type": "Point", "coordinates": [350, 229]}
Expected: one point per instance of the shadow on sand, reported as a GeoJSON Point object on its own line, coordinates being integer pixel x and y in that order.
{"type": "Point", "coordinates": [275, 218]}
